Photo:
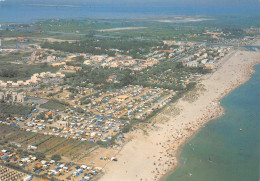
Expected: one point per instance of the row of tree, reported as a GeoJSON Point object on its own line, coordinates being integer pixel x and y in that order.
{"type": "Point", "coordinates": [163, 72]}
{"type": "Point", "coordinates": [134, 48]}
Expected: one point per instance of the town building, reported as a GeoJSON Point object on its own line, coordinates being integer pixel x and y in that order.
{"type": "Point", "coordinates": [14, 97]}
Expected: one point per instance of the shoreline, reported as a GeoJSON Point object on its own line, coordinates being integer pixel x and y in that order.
{"type": "Point", "coordinates": [222, 113]}
{"type": "Point", "coordinates": [158, 153]}
{"type": "Point", "coordinates": [180, 149]}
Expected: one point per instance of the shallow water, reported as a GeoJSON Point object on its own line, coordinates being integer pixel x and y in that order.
{"type": "Point", "coordinates": [227, 149]}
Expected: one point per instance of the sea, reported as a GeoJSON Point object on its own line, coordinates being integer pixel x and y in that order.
{"type": "Point", "coordinates": [27, 11]}
{"type": "Point", "coordinates": [227, 148]}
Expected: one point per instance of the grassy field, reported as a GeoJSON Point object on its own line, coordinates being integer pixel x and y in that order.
{"type": "Point", "coordinates": [10, 109]}
{"type": "Point", "coordinates": [11, 69]}
{"type": "Point", "coordinates": [54, 104]}
{"type": "Point", "coordinates": [77, 29]}
{"type": "Point", "coordinates": [49, 145]}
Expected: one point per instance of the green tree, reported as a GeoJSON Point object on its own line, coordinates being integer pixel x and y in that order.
{"type": "Point", "coordinates": [56, 157]}
{"type": "Point", "coordinates": [44, 65]}
{"type": "Point", "coordinates": [40, 155]}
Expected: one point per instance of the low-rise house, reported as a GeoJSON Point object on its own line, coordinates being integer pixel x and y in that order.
{"type": "Point", "coordinates": [3, 84]}
{"type": "Point", "coordinates": [122, 98]}
{"type": "Point", "coordinates": [22, 39]}
{"type": "Point", "coordinates": [210, 65]}
{"type": "Point", "coordinates": [51, 58]}
{"type": "Point", "coordinates": [87, 62]}
{"type": "Point", "coordinates": [58, 64]}
{"type": "Point", "coordinates": [31, 147]}
{"type": "Point", "coordinates": [204, 61]}
{"type": "Point", "coordinates": [13, 96]}
{"type": "Point", "coordinates": [70, 69]}
{"type": "Point", "coordinates": [192, 64]}
{"type": "Point", "coordinates": [71, 58]}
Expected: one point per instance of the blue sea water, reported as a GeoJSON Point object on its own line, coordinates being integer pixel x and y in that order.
{"type": "Point", "coordinates": [26, 11]}
{"type": "Point", "coordinates": [253, 48]}
{"type": "Point", "coordinates": [221, 151]}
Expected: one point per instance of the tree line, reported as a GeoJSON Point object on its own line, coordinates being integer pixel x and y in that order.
{"type": "Point", "coordinates": [134, 48]}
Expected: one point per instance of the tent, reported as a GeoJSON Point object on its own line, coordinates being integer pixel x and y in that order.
{"type": "Point", "coordinates": [114, 159]}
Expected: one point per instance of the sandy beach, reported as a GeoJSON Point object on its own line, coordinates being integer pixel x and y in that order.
{"type": "Point", "coordinates": [150, 156]}
{"type": "Point", "coordinates": [256, 43]}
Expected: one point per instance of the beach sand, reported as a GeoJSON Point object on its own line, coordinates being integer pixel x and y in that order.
{"type": "Point", "coordinates": [256, 43]}
{"type": "Point", "coordinates": [150, 156]}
